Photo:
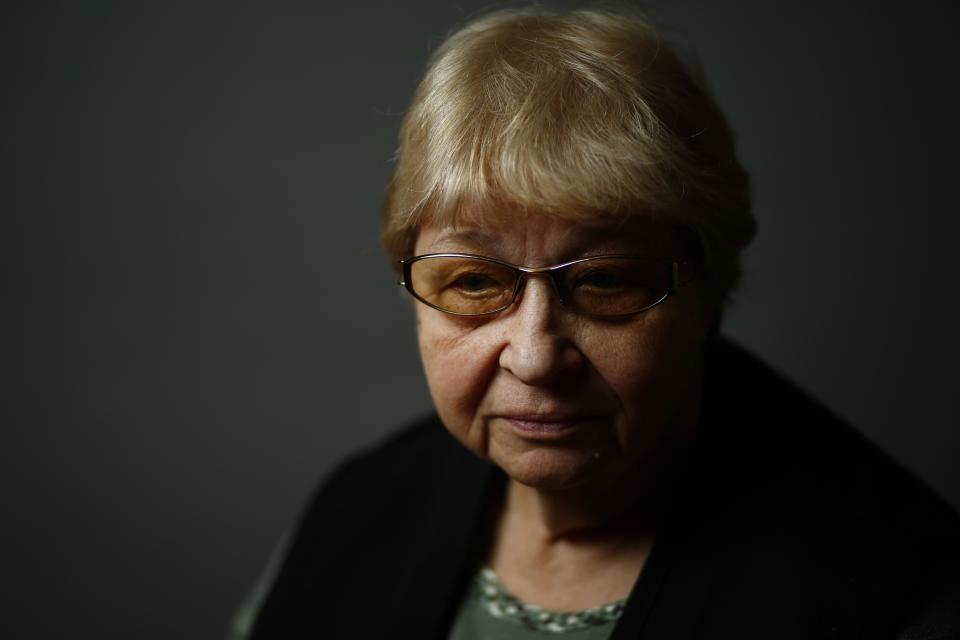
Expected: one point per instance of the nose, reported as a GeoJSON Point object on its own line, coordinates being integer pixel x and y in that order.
{"type": "Point", "coordinates": [538, 348]}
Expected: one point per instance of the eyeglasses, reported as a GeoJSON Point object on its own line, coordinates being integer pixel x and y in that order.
{"type": "Point", "coordinates": [601, 286]}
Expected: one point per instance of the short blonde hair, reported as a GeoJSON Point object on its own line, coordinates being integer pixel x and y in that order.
{"type": "Point", "coordinates": [576, 114]}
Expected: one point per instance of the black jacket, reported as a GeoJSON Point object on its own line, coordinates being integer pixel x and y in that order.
{"type": "Point", "coordinates": [785, 524]}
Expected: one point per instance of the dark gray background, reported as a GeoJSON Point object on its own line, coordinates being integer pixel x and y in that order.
{"type": "Point", "coordinates": [203, 321]}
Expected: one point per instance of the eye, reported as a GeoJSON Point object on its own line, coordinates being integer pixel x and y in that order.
{"type": "Point", "coordinates": [464, 285]}
{"type": "Point", "coordinates": [601, 280]}
{"type": "Point", "coordinates": [617, 286]}
{"type": "Point", "coordinates": [474, 283]}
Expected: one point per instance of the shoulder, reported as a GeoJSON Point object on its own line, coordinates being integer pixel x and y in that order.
{"type": "Point", "coordinates": [837, 517]}
{"type": "Point", "coordinates": [370, 529]}
{"type": "Point", "coordinates": [417, 445]}
{"type": "Point", "coordinates": [387, 475]}
{"type": "Point", "coordinates": [779, 430]}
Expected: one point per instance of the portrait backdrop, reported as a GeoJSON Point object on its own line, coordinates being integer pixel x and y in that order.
{"type": "Point", "coordinates": [203, 323]}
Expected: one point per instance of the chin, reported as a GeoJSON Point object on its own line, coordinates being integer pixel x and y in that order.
{"type": "Point", "coordinates": [550, 469]}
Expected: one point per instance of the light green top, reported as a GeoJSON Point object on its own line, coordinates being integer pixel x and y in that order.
{"type": "Point", "coordinates": [489, 612]}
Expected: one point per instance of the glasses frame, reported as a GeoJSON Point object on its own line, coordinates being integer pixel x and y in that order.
{"type": "Point", "coordinates": [522, 273]}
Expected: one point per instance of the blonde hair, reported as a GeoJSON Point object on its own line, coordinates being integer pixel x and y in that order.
{"type": "Point", "coordinates": [576, 114]}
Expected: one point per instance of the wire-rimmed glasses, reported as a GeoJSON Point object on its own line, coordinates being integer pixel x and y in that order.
{"type": "Point", "coordinates": [611, 286]}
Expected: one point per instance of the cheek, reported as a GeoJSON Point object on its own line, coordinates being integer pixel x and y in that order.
{"type": "Point", "coordinates": [458, 365]}
{"type": "Point", "coordinates": [652, 368]}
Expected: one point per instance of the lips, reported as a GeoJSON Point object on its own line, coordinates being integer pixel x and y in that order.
{"type": "Point", "coordinates": [547, 427]}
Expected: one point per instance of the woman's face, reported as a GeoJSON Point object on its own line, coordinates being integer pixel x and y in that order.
{"type": "Point", "coordinates": [556, 399]}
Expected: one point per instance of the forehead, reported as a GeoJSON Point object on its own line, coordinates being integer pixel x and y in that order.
{"type": "Point", "coordinates": [527, 236]}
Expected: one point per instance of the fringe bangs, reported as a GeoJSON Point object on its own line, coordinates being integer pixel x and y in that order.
{"type": "Point", "coordinates": [575, 115]}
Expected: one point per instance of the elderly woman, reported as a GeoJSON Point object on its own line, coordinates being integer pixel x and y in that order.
{"type": "Point", "coordinates": [568, 212]}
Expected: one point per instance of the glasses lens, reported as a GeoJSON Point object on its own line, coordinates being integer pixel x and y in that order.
{"type": "Point", "coordinates": [468, 286]}
{"type": "Point", "coordinates": [616, 286]}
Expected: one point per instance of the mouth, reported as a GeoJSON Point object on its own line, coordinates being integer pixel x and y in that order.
{"type": "Point", "coordinates": [545, 428]}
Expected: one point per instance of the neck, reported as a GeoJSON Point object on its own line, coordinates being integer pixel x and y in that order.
{"type": "Point", "coordinates": [572, 550]}
{"type": "Point", "coordinates": [594, 536]}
